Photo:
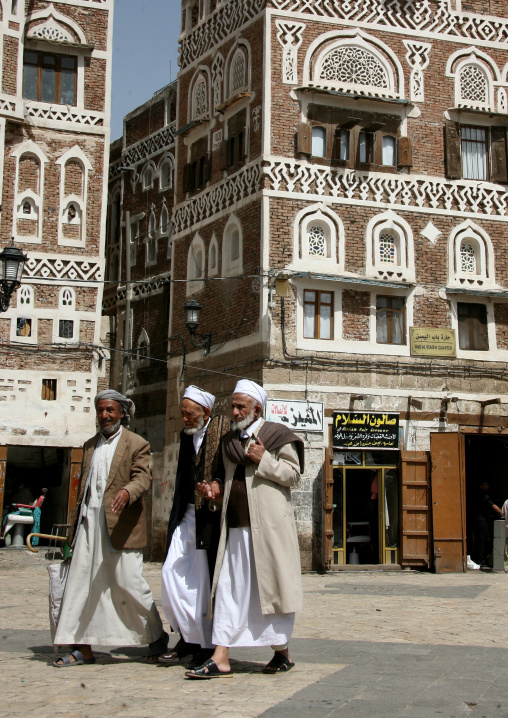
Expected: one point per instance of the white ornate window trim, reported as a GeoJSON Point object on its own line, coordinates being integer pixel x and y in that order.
{"type": "Point", "coordinates": [242, 46]}
{"type": "Point", "coordinates": [143, 349]}
{"type": "Point", "coordinates": [67, 299]}
{"type": "Point", "coordinates": [151, 241]}
{"type": "Point", "coordinates": [167, 160]}
{"type": "Point", "coordinates": [218, 80]}
{"type": "Point", "coordinates": [31, 149]}
{"type": "Point", "coordinates": [290, 36]}
{"type": "Point", "coordinates": [25, 310]}
{"type": "Point", "coordinates": [328, 42]}
{"type": "Point", "coordinates": [164, 220]}
{"type": "Point", "coordinates": [213, 257]}
{"type": "Point", "coordinates": [319, 216]}
{"type": "Point", "coordinates": [148, 174]}
{"type": "Point", "coordinates": [232, 258]}
{"type": "Point", "coordinates": [484, 277]}
{"type": "Point", "coordinates": [403, 268]}
{"type": "Point", "coordinates": [73, 154]}
{"type": "Point", "coordinates": [199, 95]}
{"type": "Point", "coordinates": [474, 60]}
{"type": "Point", "coordinates": [195, 266]}
{"type": "Point", "coordinates": [491, 326]}
{"type": "Point", "coordinates": [56, 22]}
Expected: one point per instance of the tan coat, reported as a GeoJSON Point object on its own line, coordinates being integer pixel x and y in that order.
{"type": "Point", "coordinates": [273, 528]}
{"type": "Point", "coordinates": [130, 469]}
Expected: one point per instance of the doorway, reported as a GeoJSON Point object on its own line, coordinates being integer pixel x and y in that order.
{"type": "Point", "coordinates": [479, 518]}
{"type": "Point", "coordinates": [365, 507]}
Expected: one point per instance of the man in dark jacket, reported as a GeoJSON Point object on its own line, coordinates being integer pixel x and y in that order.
{"type": "Point", "coordinates": [193, 530]}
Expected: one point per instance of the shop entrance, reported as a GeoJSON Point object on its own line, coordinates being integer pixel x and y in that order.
{"type": "Point", "coordinates": [494, 470]}
{"type": "Point", "coordinates": [364, 492]}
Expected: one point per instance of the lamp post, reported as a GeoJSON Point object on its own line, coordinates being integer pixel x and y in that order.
{"type": "Point", "coordinates": [192, 314]}
{"type": "Point", "coordinates": [12, 263]}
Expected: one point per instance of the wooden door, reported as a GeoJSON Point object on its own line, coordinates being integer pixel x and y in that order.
{"type": "Point", "coordinates": [448, 503]}
{"type": "Point", "coordinates": [3, 471]}
{"type": "Point", "coordinates": [75, 474]}
{"type": "Point", "coordinates": [328, 509]}
{"type": "Point", "coordinates": [415, 516]}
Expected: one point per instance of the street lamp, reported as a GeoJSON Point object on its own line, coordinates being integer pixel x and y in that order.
{"type": "Point", "coordinates": [192, 313]}
{"type": "Point", "coordinates": [12, 263]}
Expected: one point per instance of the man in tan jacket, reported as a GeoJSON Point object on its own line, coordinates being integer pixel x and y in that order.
{"type": "Point", "coordinates": [106, 599]}
{"type": "Point", "coordinates": [257, 585]}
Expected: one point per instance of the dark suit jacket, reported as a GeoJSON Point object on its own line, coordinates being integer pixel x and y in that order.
{"type": "Point", "coordinates": [130, 469]}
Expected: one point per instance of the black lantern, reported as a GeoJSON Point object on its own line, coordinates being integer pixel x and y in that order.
{"type": "Point", "coordinates": [192, 314]}
{"type": "Point", "coordinates": [12, 263]}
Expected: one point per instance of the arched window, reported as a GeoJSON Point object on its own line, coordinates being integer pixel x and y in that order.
{"type": "Point", "coordinates": [473, 85]}
{"type": "Point", "coordinates": [25, 296]}
{"type": "Point", "coordinates": [238, 73]}
{"type": "Point", "coordinates": [390, 251]}
{"type": "Point", "coordinates": [470, 257]}
{"type": "Point", "coordinates": [213, 257]}
{"type": "Point", "coordinates": [166, 174]}
{"type": "Point", "coordinates": [196, 266]}
{"type": "Point", "coordinates": [200, 98]}
{"type": "Point", "coordinates": [148, 177]}
{"type": "Point", "coordinates": [67, 299]}
{"type": "Point", "coordinates": [318, 240]}
{"type": "Point", "coordinates": [164, 221]}
{"type": "Point", "coordinates": [354, 67]}
{"type": "Point", "coordinates": [143, 349]}
{"type": "Point", "coordinates": [232, 249]}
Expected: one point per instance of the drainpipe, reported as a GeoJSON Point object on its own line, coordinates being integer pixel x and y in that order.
{"type": "Point", "coordinates": [127, 320]}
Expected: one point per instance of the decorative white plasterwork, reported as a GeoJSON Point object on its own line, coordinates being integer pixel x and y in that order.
{"type": "Point", "coordinates": [63, 113]}
{"type": "Point", "coordinates": [402, 268]}
{"type": "Point", "coordinates": [60, 267]}
{"type": "Point", "coordinates": [239, 186]}
{"type": "Point", "coordinates": [218, 79]}
{"type": "Point", "coordinates": [431, 232]}
{"type": "Point", "coordinates": [427, 18]}
{"type": "Point", "coordinates": [161, 140]}
{"type": "Point", "coordinates": [256, 117]}
{"type": "Point", "coordinates": [332, 261]}
{"type": "Point", "coordinates": [417, 57]}
{"type": "Point", "coordinates": [53, 26]}
{"type": "Point", "coordinates": [419, 193]}
{"type": "Point", "coordinates": [198, 102]}
{"type": "Point", "coordinates": [484, 274]}
{"type": "Point", "coordinates": [353, 61]}
{"type": "Point", "coordinates": [74, 153]}
{"type": "Point", "coordinates": [475, 75]}
{"type": "Point", "coordinates": [290, 36]}
{"type": "Point", "coordinates": [230, 16]}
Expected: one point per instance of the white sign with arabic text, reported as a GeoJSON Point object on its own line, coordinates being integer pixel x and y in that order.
{"type": "Point", "coordinates": [296, 415]}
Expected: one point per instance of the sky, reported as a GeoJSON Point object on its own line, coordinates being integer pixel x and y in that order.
{"type": "Point", "coordinates": [145, 51]}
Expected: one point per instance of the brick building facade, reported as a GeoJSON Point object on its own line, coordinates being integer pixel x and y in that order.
{"type": "Point", "coordinates": [54, 144]}
{"type": "Point", "coordinates": [140, 205]}
{"type": "Point", "coordinates": [341, 213]}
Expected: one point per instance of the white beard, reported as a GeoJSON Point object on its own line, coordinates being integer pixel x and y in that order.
{"type": "Point", "coordinates": [201, 423]}
{"type": "Point", "coordinates": [111, 430]}
{"type": "Point", "coordinates": [244, 423]}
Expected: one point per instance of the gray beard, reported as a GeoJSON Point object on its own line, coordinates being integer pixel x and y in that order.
{"type": "Point", "coordinates": [244, 423]}
{"type": "Point", "coordinates": [112, 429]}
{"type": "Point", "coordinates": [201, 423]}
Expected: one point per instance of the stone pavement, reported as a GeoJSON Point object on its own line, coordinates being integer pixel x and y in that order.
{"type": "Point", "coordinates": [397, 644]}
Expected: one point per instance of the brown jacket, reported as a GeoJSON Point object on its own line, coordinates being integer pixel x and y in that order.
{"type": "Point", "coordinates": [130, 469]}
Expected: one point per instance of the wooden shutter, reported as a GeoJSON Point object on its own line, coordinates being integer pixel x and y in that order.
{"type": "Point", "coordinates": [242, 151]}
{"type": "Point", "coordinates": [304, 139]}
{"type": "Point", "coordinates": [498, 145]}
{"type": "Point", "coordinates": [448, 503]}
{"type": "Point", "coordinates": [207, 170]}
{"type": "Point", "coordinates": [328, 509]}
{"type": "Point", "coordinates": [404, 152]}
{"type": "Point", "coordinates": [186, 177]}
{"type": "Point", "coordinates": [452, 143]}
{"type": "Point", "coordinates": [3, 471]}
{"type": "Point", "coordinates": [416, 515]}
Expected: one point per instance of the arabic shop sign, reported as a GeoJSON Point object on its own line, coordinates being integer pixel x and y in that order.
{"type": "Point", "coordinates": [432, 342]}
{"type": "Point", "coordinates": [365, 430]}
{"type": "Point", "coordinates": [297, 415]}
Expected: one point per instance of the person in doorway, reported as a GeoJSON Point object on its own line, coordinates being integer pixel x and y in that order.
{"type": "Point", "coordinates": [193, 531]}
{"type": "Point", "coordinates": [257, 580]}
{"type": "Point", "coordinates": [106, 599]}
{"type": "Point", "coordinates": [486, 511]}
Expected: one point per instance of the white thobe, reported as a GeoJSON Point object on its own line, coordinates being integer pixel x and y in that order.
{"type": "Point", "coordinates": [185, 580]}
{"type": "Point", "coordinates": [106, 601]}
{"type": "Point", "coordinates": [237, 616]}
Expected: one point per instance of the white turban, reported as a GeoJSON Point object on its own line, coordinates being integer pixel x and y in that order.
{"type": "Point", "coordinates": [246, 386]}
{"type": "Point", "coordinates": [203, 398]}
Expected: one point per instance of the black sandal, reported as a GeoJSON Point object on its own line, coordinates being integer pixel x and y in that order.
{"type": "Point", "coordinates": [157, 648]}
{"type": "Point", "coordinates": [209, 669]}
{"type": "Point", "coordinates": [279, 663]}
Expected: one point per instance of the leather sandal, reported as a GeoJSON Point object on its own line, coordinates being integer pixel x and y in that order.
{"type": "Point", "coordinates": [209, 669]}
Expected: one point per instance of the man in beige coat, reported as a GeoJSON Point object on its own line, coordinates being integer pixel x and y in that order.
{"type": "Point", "coordinates": [257, 586]}
{"type": "Point", "coordinates": [106, 599]}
